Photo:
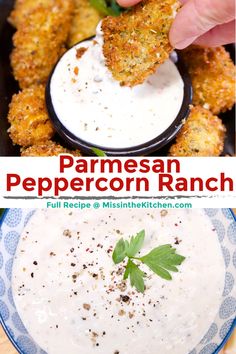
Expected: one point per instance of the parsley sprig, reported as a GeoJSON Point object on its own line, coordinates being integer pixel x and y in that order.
{"type": "Point", "coordinates": [161, 260]}
{"type": "Point", "coordinates": [98, 152]}
{"type": "Point", "coordinates": [106, 7]}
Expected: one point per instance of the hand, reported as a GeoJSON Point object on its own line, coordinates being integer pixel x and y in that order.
{"type": "Point", "coordinates": [203, 22]}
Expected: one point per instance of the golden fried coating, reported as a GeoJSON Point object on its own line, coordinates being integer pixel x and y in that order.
{"type": "Point", "coordinates": [202, 135]}
{"type": "Point", "coordinates": [22, 9]}
{"type": "Point", "coordinates": [213, 77]}
{"type": "Point", "coordinates": [28, 117]}
{"type": "Point", "coordinates": [49, 148]}
{"type": "Point", "coordinates": [137, 41]}
{"type": "Point", "coordinates": [84, 22]}
{"type": "Point", "coordinates": [39, 43]}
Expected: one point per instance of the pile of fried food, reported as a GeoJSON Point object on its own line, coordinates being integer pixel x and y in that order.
{"type": "Point", "coordinates": [135, 44]}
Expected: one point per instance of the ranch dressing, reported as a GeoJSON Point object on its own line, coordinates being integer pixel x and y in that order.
{"type": "Point", "coordinates": [94, 107]}
{"type": "Point", "coordinates": [72, 298]}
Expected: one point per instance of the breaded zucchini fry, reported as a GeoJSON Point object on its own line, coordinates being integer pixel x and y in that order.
{"type": "Point", "coordinates": [137, 41]}
{"type": "Point", "coordinates": [202, 135]}
{"type": "Point", "coordinates": [213, 77]}
{"type": "Point", "coordinates": [84, 22]}
{"type": "Point", "coordinates": [39, 43]}
{"type": "Point", "coordinates": [49, 148]}
{"type": "Point", "coordinates": [22, 9]}
{"type": "Point", "coordinates": [28, 117]}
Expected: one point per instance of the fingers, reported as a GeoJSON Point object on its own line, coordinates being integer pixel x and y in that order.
{"type": "Point", "coordinates": [127, 3]}
{"type": "Point", "coordinates": [220, 35]}
{"type": "Point", "coordinates": [204, 22]}
{"type": "Point", "coordinates": [198, 17]}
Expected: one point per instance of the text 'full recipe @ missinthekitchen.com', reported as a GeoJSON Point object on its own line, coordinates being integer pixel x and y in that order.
{"type": "Point", "coordinates": [118, 204]}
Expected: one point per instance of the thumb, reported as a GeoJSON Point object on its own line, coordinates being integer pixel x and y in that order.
{"type": "Point", "coordinates": [127, 3]}
{"type": "Point", "coordinates": [219, 35]}
{"type": "Point", "coordinates": [197, 17]}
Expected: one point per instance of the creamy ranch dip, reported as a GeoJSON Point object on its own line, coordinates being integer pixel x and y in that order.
{"type": "Point", "coordinates": [94, 107]}
{"type": "Point", "coordinates": [71, 297]}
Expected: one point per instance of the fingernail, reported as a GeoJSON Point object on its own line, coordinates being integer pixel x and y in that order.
{"type": "Point", "coordinates": [185, 43]}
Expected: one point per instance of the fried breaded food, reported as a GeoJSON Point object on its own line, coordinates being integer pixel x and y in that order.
{"type": "Point", "coordinates": [84, 22]}
{"type": "Point", "coordinates": [28, 117]}
{"type": "Point", "coordinates": [202, 135]}
{"type": "Point", "coordinates": [39, 42]}
{"type": "Point", "coordinates": [137, 41]}
{"type": "Point", "coordinates": [213, 77]}
{"type": "Point", "coordinates": [49, 148]}
{"type": "Point", "coordinates": [22, 9]}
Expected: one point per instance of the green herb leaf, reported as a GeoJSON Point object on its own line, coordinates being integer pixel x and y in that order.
{"type": "Point", "coordinates": [126, 245]}
{"type": "Point", "coordinates": [98, 152]}
{"type": "Point", "coordinates": [135, 244]}
{"type": "Point", "coordinates": [163, 259]}
{"type": "Point", "coordinates": [100, 5]}
{"type": "Point", "coordinates": [127, 271]}
{"type": "Point", "coordinates": [136, 276]}
{"type": "Point", "coordinates": [116, 8]}
{"type": "Point", "coordinates": [107, 7]}
{"type": "Point", "coordinates": [119, 253]}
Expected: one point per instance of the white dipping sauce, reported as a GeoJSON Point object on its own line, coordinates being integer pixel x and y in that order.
{"type": "Point", "coordinates": [94, 107]}
{"type": "Point", "coordinates": [69, 293]}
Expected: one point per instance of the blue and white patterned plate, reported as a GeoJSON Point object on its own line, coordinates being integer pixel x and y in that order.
{"type": "Point", "coordinates": [11, 226]}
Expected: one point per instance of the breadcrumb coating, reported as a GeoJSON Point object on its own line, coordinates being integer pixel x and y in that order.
{"type": "Point", "coordinates": [137, 41]}
{"type": "Point", "coordinates": [28, 117]}
{"type": "Point", "coordinates": [84, 22]}
{"type": "Point", "coordinates": [39, 42]}
{"type": "Point", "coordinates": [22, 9]}
{"type": "Point", "coordinates": [203, 134]}
{"type": "Point", "coordinates": [213, 77]}
{"type": "Point", "coordinates": [49, 148]}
